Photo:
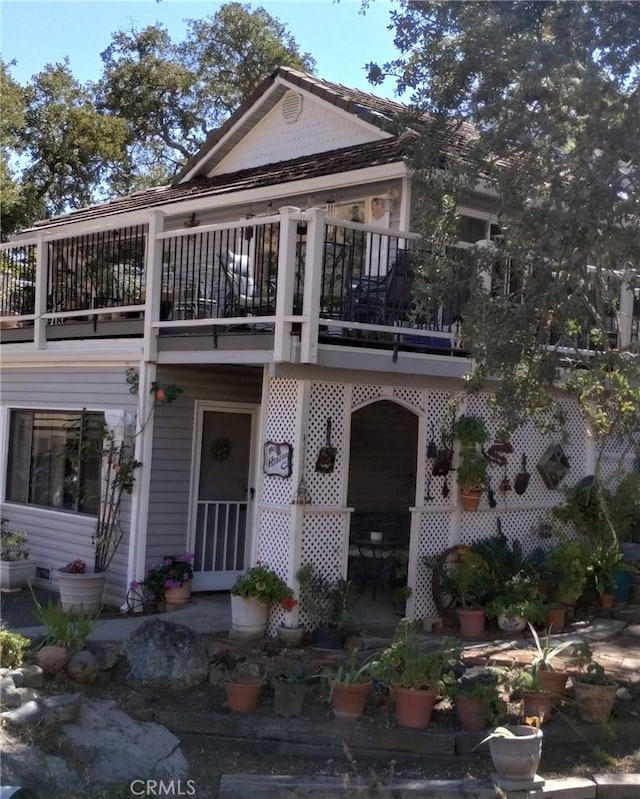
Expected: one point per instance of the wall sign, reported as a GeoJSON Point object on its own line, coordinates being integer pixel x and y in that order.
{"type": "Point", "coordinates": [278, 459]}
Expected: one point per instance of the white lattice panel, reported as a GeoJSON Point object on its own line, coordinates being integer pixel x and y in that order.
{"type": "Point", "coordinates": [413, 397]}
{"type": "Point", "coordinates": [280, 425]}
{"type": "Point", "coordinates": [438, 421]}
{"type": "Point", "coordinates": [274, 544]}
{"type": "Point", "coordinates": [362, 394]}
{"type": "Point", "coordinates": [327, 401]}
{"type": "Point", "coordinates": [323, 537]}
{"type": "Point", "coordinates": [433, 539]}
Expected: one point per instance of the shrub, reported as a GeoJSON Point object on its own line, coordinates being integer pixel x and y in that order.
{"type": "Point", "coordinates": [12, 649]}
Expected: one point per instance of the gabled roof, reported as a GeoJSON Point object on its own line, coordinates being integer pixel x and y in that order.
{"type": "Point", "coordinates": [376, 111]}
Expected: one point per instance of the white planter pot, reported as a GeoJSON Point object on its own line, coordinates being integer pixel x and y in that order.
{"type": "Point", "coordinates": [15, 574]}
{"type": "Point", "coordinates": [511, 624]}
{"type": "Point", "coordinates": [248, 616]}
{"type": "Point", "coordinates": [81, 591]}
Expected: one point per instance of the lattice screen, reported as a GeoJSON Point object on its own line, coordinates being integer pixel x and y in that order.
{"type": "Point", "coordinates": [273, 549]}
{"type": "Point", "coordinates": [362, 394]}
{"type": "Point", "coordinates": [280, 425]}
{"type": "Point", "coordinates": [323, 544]}
{"type": "Point", "coordinates": [433, 539]}
{"type": "Point", "coordinates": [327, 401]}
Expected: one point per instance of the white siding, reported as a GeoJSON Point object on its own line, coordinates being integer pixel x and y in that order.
{"type": "Point", "coordinates": [319, 128]}
{"type": "Point", "coordinates": [57, 537]}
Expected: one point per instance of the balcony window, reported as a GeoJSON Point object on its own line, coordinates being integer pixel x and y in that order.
{"type": "Point", "coordinates": [55, 459]}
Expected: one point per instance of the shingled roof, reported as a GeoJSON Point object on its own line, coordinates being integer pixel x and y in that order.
{"type": "Point", "coordinates": [389, 116]}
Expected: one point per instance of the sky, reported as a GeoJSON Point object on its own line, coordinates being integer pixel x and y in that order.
{"type": "Point", "coordinates": [337, 35]}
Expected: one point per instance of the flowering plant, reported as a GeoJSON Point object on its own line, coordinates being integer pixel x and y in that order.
{"type": "Point", "coordinates": [173, 572]}
{"type": "Point", "coordinates": [288, 604]}
{"type": "Point", "coordinates": [76, 566]}
{"type": "Point", "coordinates": [261, 583]}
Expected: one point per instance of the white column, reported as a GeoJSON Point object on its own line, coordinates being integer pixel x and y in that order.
{"type": "Point", "coordinates": [153, 285]}
{"type": "Point", "coordinates": [40, 299]}
{"type": "Point", "coordinates": [312, 285]}
{"type": "Point", "coordinates": [286, 279]}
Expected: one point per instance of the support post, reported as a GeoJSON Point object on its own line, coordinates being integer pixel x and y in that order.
{"type": "Point", "coordinates": [312, 285]}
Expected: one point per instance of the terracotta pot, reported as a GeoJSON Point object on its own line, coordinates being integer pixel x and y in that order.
{"type": "Point", "coordinates": [414, 707]}
{"type": "Point", "coordinates": [537, 703]}
{"type": "Point", "coordinates": [595, 702]}
{"type": "Point", "coordinates": [178, 596]}
{"type": "Point", "coordinates": [348, 700]}
{"type": "Point", "coordinates": [606, 601]}
{"type": "Point", "coordinates": [470, 499]}
{"type": "Point", "coordinates": [517, 758]}
{"type": "Point", "coordinates": [554, 683]}
{"type": "Point", "coordinates": [288, 698]}
{"type": "Point", "coordinates": [472, 712]}
{"type": "Point", "coordinates": [555, 619]}
{"type": "Point", "coordinates": [242, 697]}
{"type": "Point", "coordinates": [472, 623]}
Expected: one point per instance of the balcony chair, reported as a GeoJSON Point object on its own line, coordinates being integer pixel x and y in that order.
{"type": "Point", "coordinates": [244, 296]}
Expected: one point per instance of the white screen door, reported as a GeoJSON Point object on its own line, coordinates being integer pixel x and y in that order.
{"type": "Point", "coordinates": [223, 494]}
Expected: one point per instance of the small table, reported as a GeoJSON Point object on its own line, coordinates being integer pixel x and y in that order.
{"type": "Point", "coordinates": [374, 555]}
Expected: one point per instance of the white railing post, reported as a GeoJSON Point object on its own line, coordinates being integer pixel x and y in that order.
{"type": "Point", "coordinates": [286, 279]}
{"type": "Point", "coordinates": [312, 285]}
{"type": "Point", "coordinates": [40, 298]}
{"type": "Point", "coordinates": [153, 285]}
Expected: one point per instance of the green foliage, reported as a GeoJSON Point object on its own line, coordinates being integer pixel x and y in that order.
{"type": "Point", "coordinates": [566, 569]}
{"type": "Point", "coordinates": [470, 430]}
{"type": "Point", "coordinates": [552, 88]}
{"type": "Point", "coordinates": [13, 543]}
{"type": "Point", "coordinates": [348, 672]}
{"type": "Point", "coordinates": [173, 572]}
{"type": "Point", "coordinates": [467, 579]}
{"type": "Point", "coordinates": [12, 648]}
{"type": "Point", "coordinates": [409, 663]}
{"type": "Point", "coordinates": [472, 470]}
{"type": "Point", "coordinates": [64, 628]}
{"type": "Point", "coordinates": [328, 603]}
{"type": "Point", "coordinates": [482, 682]}
{"type": "Point", "coordinates": [262, 583]}
{"type": "Point", "coordinates": [546, 651]}
{"type": "Point", "coordinates": [590, 671]}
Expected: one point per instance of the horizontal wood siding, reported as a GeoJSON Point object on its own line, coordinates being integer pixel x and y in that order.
{"type": "Point", "coordinates": [172, 449]}
{"type": "Point", "coordinates": [57, 537]}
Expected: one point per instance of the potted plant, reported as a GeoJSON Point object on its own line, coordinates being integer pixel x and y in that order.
{"type": "Point", "coordinates": [15, 566]}
{"type": "Point", "coordinates": [290, 632]}
{"type": "Point", "coordinates": [517, 604]}
{"type": "Point", "coordinates": [417, 675]}
{"type": "Point", "coordinates": [468, 581]}
{"type": "Point", "coordinates": [595, 691]}
{"type": "Point", "coordinates": [565, 571]}
{"type": "Point", "coordinates": [606, 560]}
{"type": "Point", "coordinates": [170, 582]}
{"type": "Point", "coordinates": [243, 685]}
{"type": "Point", "coordinates": [551, 679]}
{"type": "Point", "coordinates": [328, 605]}
{"type": "Point", "coordinates": [252, 594]}
{"type": "Point", "coordinates": [515, 751]}
{"type": "Point", "coordinates": [289, 689]}
{"type": "Point", "coordinates": [477, 698]}
{"type": "Point", "coordinates": [349, 686]}
{"type": "Point", "coordinates": [471, 432]}
{"type": "Point", "coordinates": [536, 701]}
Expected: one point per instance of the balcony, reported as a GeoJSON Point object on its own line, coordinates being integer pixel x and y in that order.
{"type": "Point", "coordinates": [293, 281]}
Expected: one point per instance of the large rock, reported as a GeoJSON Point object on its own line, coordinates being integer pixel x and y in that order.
{"type": "Point", "coordinates": [162, 654]}
{"type": "Point", "coordinates": [52, 659]}
{"type": "Point", "coordinates": [43, 775]}
{"type": "Point", "coordinates": [115, 748]}
{"type": "Point", "coordinates": [83, 667]}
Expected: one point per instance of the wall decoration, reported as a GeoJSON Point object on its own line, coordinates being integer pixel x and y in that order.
{"type": "Point", "coordinates": [221, 449]}
{"type": "Point", "coordinates": [553, 466]}
{"type": "Point", "coordinates": [326, 460]}
{"type": "Point", "coordinates": [278, 459]}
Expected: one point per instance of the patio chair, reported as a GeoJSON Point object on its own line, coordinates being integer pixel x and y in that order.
{"type": "Point", "coordinates": [245, 297]}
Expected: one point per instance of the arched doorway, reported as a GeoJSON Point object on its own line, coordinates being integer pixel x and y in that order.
{"type": "Point", "coordinates": [381, 489]}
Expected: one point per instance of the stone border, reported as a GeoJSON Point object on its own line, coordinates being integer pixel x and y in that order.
{"type": "Point", "coordinates": [268, 786]}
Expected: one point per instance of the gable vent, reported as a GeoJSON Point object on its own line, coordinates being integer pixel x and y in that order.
{"type": "Point", "coordinates": [291, 106]}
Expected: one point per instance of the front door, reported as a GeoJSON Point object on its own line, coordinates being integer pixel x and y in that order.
{"type": "Point", "coordinates": [223, 492]}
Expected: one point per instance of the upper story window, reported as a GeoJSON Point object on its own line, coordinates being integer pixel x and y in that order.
{"type": "Point", "coordinates": [55, 459]}
{"type": "Point", "coordinates": [473, 229]}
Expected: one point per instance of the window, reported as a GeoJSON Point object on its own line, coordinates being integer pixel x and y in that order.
{"type": "Point", "coordinates": [55, 459]}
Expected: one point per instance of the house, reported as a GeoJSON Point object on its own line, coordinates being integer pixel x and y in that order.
{"type": "Point", "coordinates": [271, 282]}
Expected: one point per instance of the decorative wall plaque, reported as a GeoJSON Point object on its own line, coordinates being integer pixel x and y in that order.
{"type": "Point", "coordinates": [278, 459]}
